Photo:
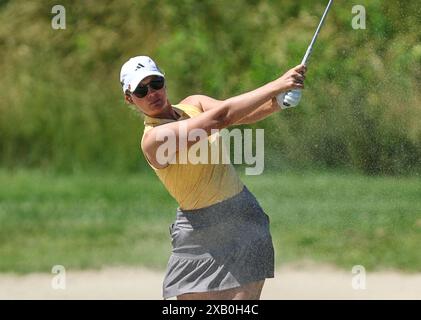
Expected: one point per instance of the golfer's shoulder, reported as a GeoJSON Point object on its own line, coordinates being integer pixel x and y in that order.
{"type": "Point", "coordinates": [202, 102]}
{"type": "Point", "coordinates": [192, 101]}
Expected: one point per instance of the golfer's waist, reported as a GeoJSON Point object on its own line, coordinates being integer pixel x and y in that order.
{"type": "Point", "coordinates": [230, 208]}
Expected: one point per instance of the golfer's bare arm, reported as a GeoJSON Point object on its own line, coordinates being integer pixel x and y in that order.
{"type": "Point", "coordinates": [222, 115]}
{"type": "Point", "coordinates": [262, 111]}
{"type": "Point", "coordinates": [206, 103]}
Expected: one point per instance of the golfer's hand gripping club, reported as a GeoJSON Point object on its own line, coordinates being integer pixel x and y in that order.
{"type": "Point", "coordinates": [291, 98]}
{"type": "Point", "coordinates": [292, 83]}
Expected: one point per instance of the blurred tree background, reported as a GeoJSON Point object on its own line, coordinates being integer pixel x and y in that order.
{"type": "Point", "coordinates": [62, 108]}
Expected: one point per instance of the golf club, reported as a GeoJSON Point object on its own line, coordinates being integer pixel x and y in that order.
{"type": "Point", "coordinates": [293, 97]}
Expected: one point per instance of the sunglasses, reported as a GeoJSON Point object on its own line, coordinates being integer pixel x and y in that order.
{"type": "Point", "coordinates": [142, 90]}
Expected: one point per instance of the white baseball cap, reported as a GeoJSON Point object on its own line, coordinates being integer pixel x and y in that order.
{"type": "Point", "coordinates": [135, 70]}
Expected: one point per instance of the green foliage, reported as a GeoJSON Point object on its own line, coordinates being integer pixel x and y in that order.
{"type": "Point", "coordinates": [61, 105]}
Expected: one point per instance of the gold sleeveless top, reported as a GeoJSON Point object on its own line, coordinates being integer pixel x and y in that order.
{"type": "Point", "coordinates": [196, 186]}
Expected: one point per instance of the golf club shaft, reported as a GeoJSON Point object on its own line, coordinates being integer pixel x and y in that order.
{"type": "Point", "coordinates": [316, 34]}
{"type": "Point", "coordinates": [292, 98]}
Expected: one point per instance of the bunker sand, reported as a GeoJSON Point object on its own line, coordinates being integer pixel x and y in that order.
{"type": "Point", "coordinates": [291, 282]}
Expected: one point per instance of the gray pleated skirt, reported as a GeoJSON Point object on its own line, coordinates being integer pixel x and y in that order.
{"type": "Point", "coordinates": [223, 246]}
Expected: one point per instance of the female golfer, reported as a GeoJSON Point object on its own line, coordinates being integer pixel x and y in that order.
{"type": "Point", "coordinates": [222, 247]}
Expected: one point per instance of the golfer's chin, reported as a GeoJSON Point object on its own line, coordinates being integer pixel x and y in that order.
{"type": "Point", "coordinates": [157, 106]}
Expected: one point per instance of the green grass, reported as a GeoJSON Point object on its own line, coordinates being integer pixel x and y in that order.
{"type": "Point", "coordinates": [94, 220]}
